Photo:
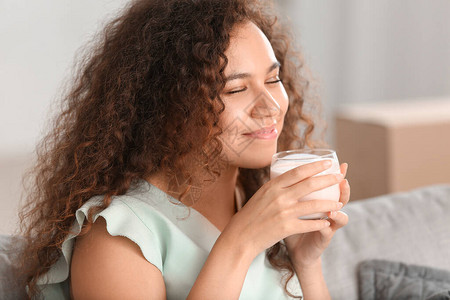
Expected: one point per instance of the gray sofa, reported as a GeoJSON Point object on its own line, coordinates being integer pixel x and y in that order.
{"type": "Point", "coordinates": [394, 247]}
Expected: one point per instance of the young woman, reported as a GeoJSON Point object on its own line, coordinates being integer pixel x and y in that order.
{"type": "Point", "coordinates": [154, 181]}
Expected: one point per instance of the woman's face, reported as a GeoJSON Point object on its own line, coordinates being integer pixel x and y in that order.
{"type": "Point", "coordinates": [255, 99]}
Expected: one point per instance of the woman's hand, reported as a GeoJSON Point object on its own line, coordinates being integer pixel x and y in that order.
{"type": "Point", "coordinates": [273, 212]}
{"type": "Point", "coordinates": [271, 215]}
{"type": "Point", "coordinates": [305, 249]}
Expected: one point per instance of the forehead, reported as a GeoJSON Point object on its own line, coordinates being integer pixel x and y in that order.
{"type": "Point", "coordinates": [249, 47]}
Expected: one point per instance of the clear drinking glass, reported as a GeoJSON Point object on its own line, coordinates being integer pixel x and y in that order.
{"type": "Point", "coordinates": [287, 160]}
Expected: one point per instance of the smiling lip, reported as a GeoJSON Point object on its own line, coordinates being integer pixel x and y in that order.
{"type": "Point", "coordinates": [266, 133]}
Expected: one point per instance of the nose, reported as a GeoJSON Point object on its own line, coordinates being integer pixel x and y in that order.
{"type": "Point", "coordinates": [265, 107]}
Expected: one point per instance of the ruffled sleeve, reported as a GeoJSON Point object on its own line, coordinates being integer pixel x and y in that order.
{"type": "Point", "coordinates": [121, 220]}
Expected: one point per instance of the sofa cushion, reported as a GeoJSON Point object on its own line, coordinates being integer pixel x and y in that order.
{"type": "Point", "coordinates": [440, 296]}
{"type": "Point", "coordinates": [382, 279]}
{"type": "Point", "coordinates": [410, 227]}
{"type": "Point", "coordinates": [9, 290]}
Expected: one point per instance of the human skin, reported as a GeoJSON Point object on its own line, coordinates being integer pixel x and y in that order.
{"type": "Point", "coordinates": [269, 216]}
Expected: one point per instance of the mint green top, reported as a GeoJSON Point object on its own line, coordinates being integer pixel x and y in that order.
{"type": "Point", "coordinates": [175, 239]}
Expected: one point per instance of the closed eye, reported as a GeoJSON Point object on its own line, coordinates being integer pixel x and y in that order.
{"type": "Point", "coordinates": [274, 81]}
{"type": "Point", "coordinates": [236, 91]}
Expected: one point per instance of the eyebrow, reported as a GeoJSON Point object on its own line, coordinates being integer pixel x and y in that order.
{"type": "Point", "coordinates": [245, 75]}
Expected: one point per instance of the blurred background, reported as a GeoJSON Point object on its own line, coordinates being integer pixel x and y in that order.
{"type": "Point", "coordinates": [382, 67]}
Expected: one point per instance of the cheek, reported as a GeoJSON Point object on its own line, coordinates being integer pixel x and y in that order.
{"type": "Point", "coordinates": [225, 117]}
{"type": "Point", "coordinates": [231, 112]}
{"type": "Point", "coordinates": [283, 100]}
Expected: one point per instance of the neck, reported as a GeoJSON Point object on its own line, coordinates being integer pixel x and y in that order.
{"type": "Point", "coordinates": [215, 201]}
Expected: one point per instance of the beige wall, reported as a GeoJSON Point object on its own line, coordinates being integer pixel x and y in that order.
{"type": "Point", "coordinates": [38, 44]}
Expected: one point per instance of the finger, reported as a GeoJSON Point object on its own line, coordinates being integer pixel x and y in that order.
{"type": "Point", "coordinates": [312, 184]}
{"type": "Point", "coordinates": [344, 168]}
{"type": "Point", "coordinates": [304, 226]}
{"type": "Point", "coordinates": [327, 233]}
{"type": "Point", "coordinates": [304, 208]}
{"type": "Point", "coordinates": [337, 219]}
{"type": "Point", "coordinates": [344, 187]}
{"type": "Point", "coordinates": [302, 172]}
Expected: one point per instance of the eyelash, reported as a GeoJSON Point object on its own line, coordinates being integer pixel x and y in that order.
{"type": "Point", "coordinates": [237, 91]}
{"type": "Point", "coordinates": [244, 89]}
{"type": "Point", "coordinates": [275, 81]}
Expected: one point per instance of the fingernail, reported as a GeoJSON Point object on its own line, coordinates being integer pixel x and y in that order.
{"type": "Point", "coordinates": [339, 176]}
{"type": "Point", "coordinates": [327, 163]}
{"type": "Point", "coordinates": [339, 204]}
{"type": "Point", "coordinates": [346, 167]}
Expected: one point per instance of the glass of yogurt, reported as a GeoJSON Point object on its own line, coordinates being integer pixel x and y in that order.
{"type": "Point", "coordinates": [287, 160]}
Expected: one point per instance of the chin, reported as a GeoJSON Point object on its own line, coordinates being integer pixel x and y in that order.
{"type": "Point", "coordinates": [255, 160]}
{"type": "Point", "coordinates": [253, 157]}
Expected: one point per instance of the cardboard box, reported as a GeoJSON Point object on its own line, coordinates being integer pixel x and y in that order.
{"type": "Point", "coordinates": [394, 146]}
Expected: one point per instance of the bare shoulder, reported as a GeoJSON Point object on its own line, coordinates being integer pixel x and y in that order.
{"type": "Point", "coordinates": [112, 267]}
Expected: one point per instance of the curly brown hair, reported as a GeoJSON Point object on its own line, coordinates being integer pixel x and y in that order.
{"type": "Point", "coordinates": [154, 76]}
